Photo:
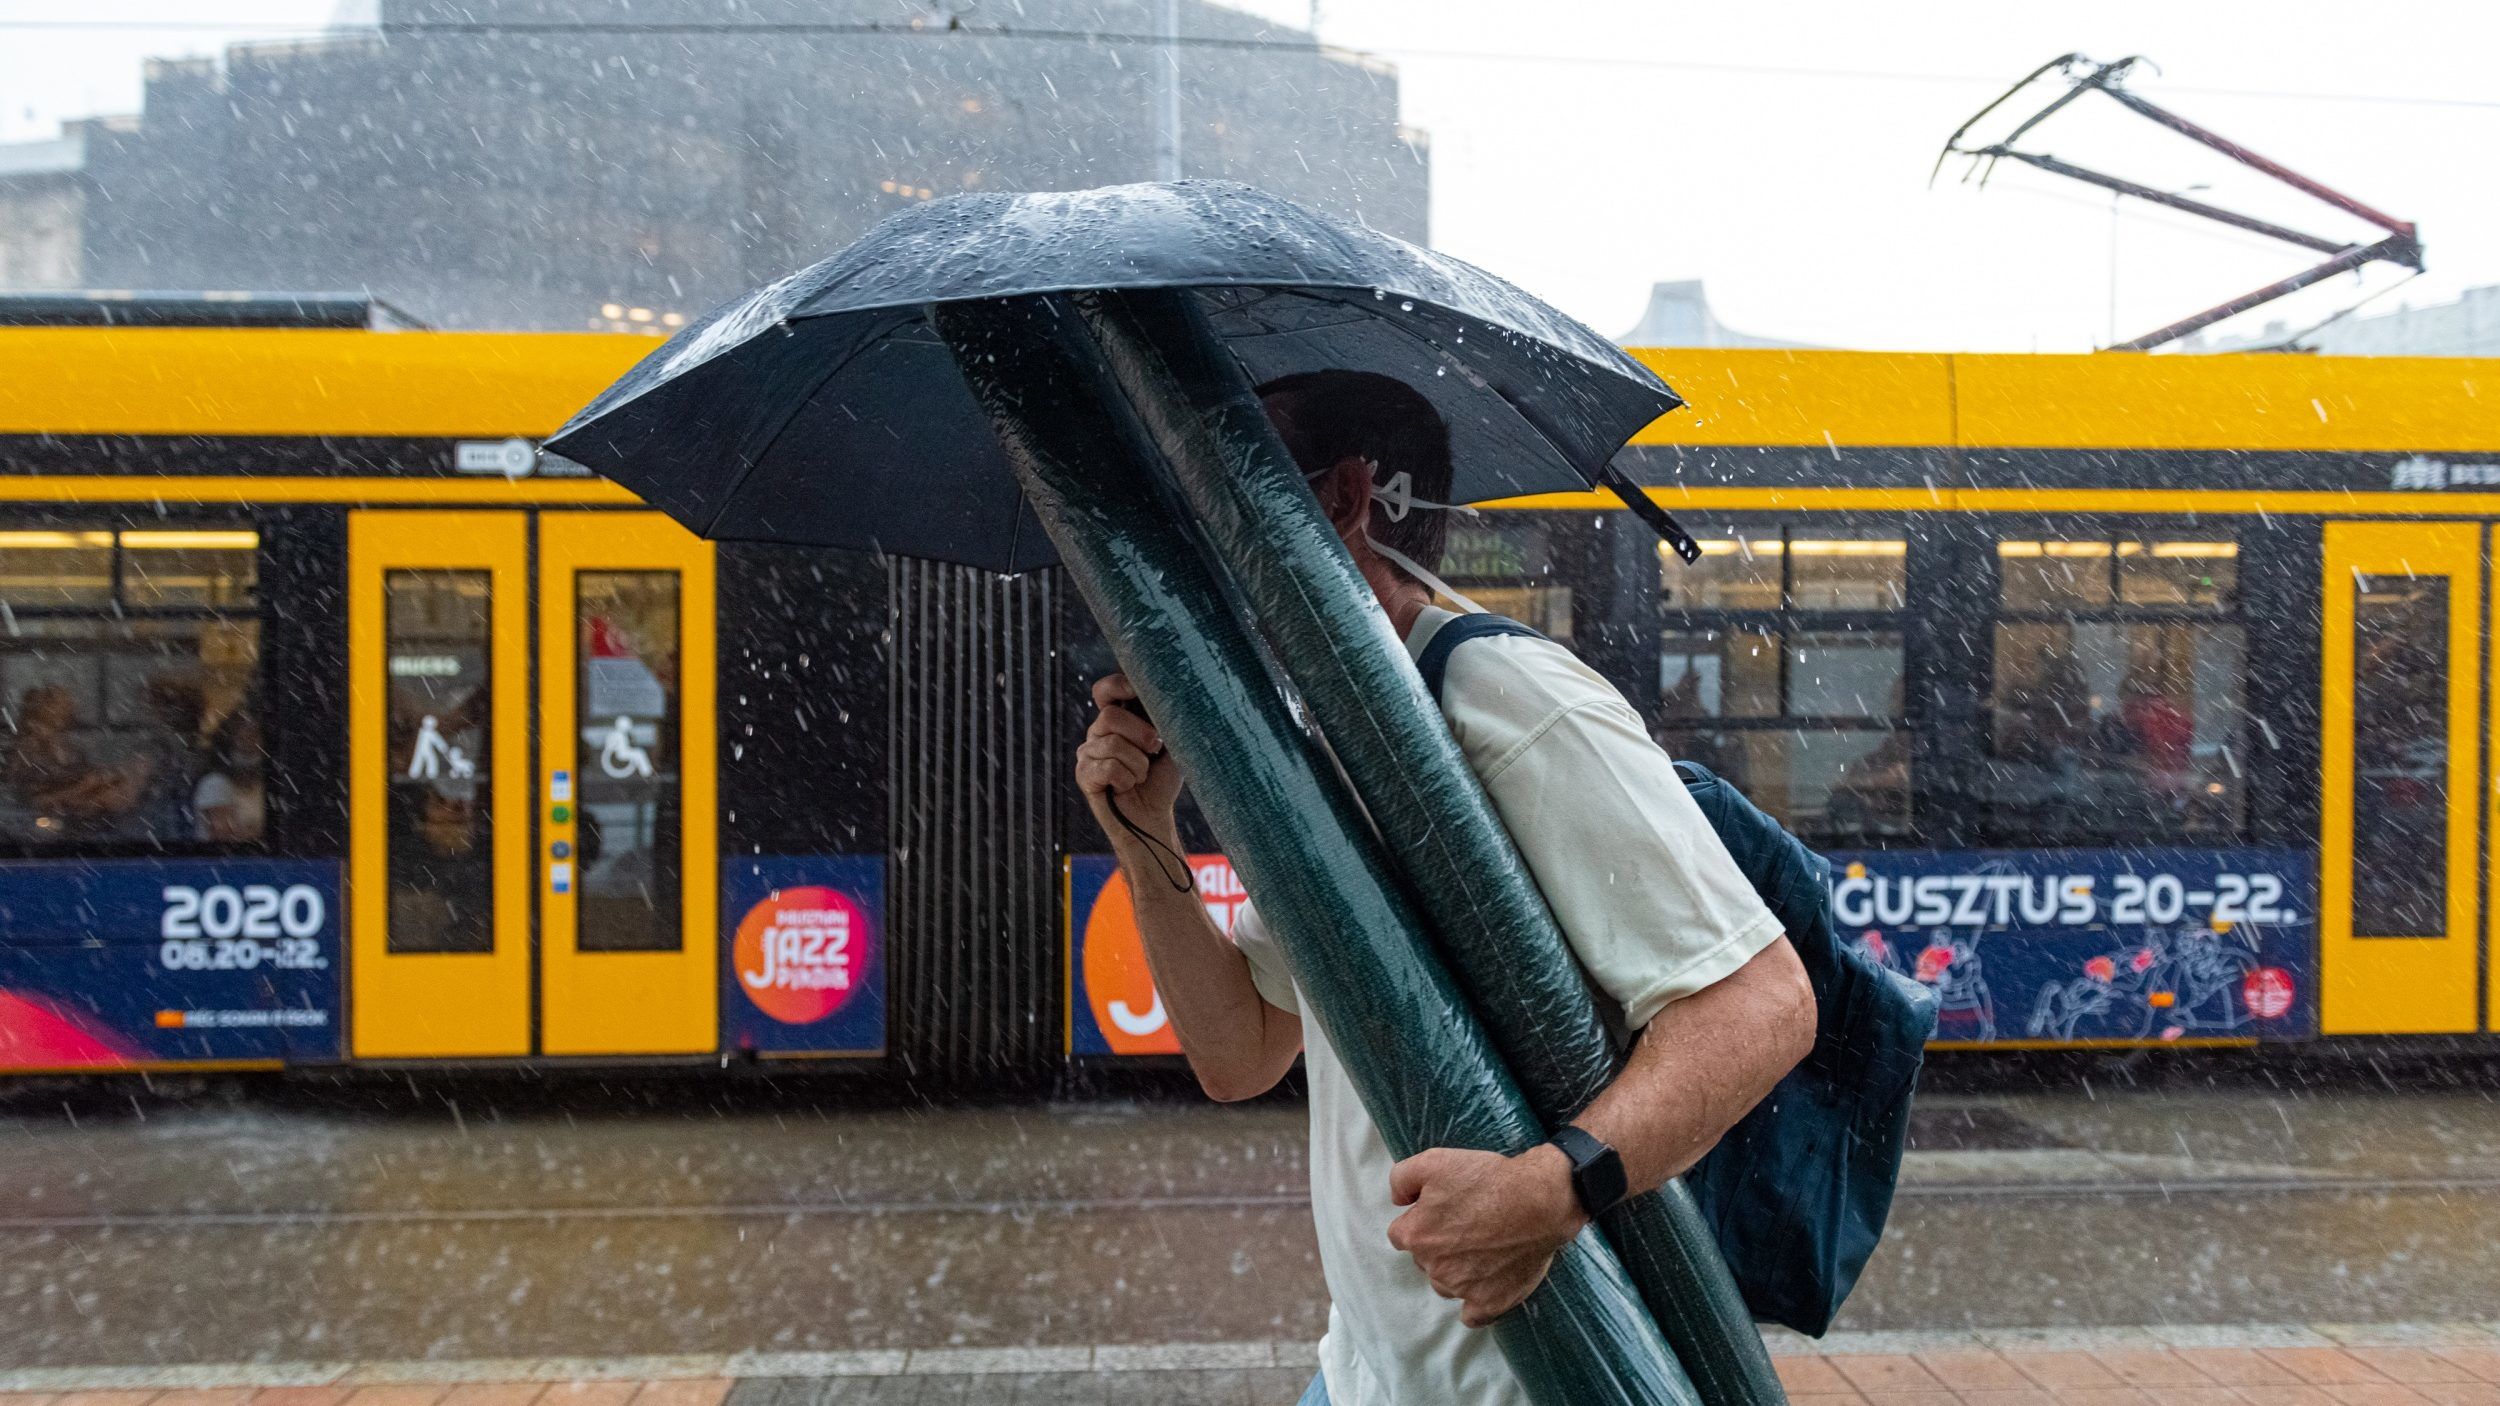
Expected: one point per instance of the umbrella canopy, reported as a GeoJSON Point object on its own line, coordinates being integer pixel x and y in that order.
{"type": "Point", "coordinates": [823, 410]}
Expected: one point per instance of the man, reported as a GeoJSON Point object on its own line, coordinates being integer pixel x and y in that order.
{"type": "Point", "coordinates": [1693, 969]}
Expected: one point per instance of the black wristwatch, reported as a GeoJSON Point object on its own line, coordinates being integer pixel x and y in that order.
{"type": "Point", "coordinates": [1596, 1170]}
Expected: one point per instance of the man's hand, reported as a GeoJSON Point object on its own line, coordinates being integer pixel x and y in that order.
{"type": "Point", "coordinates": [1123, 756]}
{"type": "Point", "coordinates": [1484, 1227]}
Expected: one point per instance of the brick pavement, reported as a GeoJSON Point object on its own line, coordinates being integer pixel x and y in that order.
{"type": "Point", "coordinates": [2441, 1364]}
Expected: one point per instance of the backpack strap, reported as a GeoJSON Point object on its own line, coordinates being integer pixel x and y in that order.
{"type": "Point", "coordinates": [1434, 663]}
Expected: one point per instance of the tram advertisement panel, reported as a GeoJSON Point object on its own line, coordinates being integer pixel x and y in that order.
{"type": "Point", "coordinates": [110, 963]}
{"type": "Point", "coordinates": [2022, 946]}
{"type": "Point", "coordinates": [1113, 1007]}
{"type": "Point", "coordinates": [2071, 946]}
{"type": "Point", "coordinates": [805, 961]}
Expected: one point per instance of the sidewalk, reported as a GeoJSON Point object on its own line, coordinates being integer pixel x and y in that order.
{"type": "Point", "coordinates": [2404, 1364]}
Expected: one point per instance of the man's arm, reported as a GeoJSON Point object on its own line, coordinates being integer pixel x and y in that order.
{"type": "Point", "coordinates": [1485, 1227]}
{"type": "Point", "coordinates": [1237, 1043]}
{"type": "Point", "coordinates": [1663, 921]}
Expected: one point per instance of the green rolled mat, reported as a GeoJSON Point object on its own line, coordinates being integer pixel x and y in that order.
{"type": "Point", "coordinates": [1256, 510]}
{"type": "Point", "coordinates": [1419, 1059]}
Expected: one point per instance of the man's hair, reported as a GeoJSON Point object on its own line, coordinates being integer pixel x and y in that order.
{"type": "Point", "coordinates": [1326, 417]}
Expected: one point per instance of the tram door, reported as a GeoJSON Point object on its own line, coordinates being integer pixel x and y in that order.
{"type": "Point", "coordinates": [532, 852]}
{"type": "Point", "coordinates": [2401, 825]}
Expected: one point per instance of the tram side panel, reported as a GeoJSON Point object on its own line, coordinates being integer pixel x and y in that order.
{"type": "Point", "coordinates": [2133, 864]}
{"type": "Point", "coordinates": [170, 808]}
{"type": "Point", "coordinates": [804, 655]}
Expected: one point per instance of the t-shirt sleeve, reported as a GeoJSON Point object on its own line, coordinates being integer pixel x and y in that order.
{"type": "Point", "coordinates": [1650, 899]}
{"type": "Point", "coordinates": [1267, 964]}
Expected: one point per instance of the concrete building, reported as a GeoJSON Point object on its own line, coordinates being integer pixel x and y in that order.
{"type": "Point", "coordinates": [43, 203]}
{"type": "Point", "coordinates": [630, 163]}
{"type": "Point", "coordinates": [2470, 326]}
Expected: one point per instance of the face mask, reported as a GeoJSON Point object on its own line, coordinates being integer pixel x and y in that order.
{"type": "Point", "coordinates": [1396, 498]}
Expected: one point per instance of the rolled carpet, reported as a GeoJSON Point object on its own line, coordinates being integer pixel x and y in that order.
{"type": "Point", "coordinates": [1419, 1059]}
{"type": "Point", "coordinates": [1335, 645]}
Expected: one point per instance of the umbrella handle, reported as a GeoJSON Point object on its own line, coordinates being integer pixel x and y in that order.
{"type": "Point", "coordinates": [1647, 510]}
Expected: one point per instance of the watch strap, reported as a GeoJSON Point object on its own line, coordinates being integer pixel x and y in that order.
{"type": "Point", "coordinates": [1596, 1169]}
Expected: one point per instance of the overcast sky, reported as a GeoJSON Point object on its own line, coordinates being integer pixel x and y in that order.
{"type": "Point", "coordinates": [1780, 151]}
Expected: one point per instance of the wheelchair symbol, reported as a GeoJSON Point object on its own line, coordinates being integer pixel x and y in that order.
{"type": "Point", "coordinates": [619, 756]}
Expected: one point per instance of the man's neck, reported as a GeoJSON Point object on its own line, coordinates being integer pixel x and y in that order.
{"type": "Point", "coordinates": [1405, 603]}
{"type": "Point", "coordinates": [1401, 597]}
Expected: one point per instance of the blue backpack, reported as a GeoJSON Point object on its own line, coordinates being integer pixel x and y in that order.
{"type": "Point", "coordinates": [1798, 1191]}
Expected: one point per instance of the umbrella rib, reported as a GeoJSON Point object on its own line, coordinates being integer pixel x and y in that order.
{"type": "Point", "coordinates": [798, 403]}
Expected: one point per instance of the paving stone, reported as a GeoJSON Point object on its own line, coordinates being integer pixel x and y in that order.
{"type": "Point", "coordinates": [2152, 1367]}
{"type": "Point", "coordinates": [1810, 1376]}
{"type": "Point", "coordinates": [2322, 1366]}
{"type": "Point", "coordinates": [2411, 1364]}
{"type": "Point", "coordinates": [2460, 1393]}
{"type": "Point", "coordinates": [1974, 1371]}
{"type": "Point", "coordinates": [1874, 1372]}
{"type": "Point", "coordinates": [2064, 1372]}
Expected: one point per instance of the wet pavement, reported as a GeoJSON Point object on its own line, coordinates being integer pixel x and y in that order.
{"type": "Point", "coordinates": [287, 1228]}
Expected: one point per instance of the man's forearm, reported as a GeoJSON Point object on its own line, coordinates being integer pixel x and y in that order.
{"type": "Point", "coordinates": [1702, 1064]}
{"type": "Point", "coordinates": [1230, 1034]}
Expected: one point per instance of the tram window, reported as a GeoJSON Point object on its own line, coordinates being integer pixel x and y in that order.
{"type": "Point", "coordinates": [1846, 573]}
{"type": "Point", "coordinates": [1733, 573]}
{"type": "Point", "coordinates": [1507, 563]}
{"type": "Point", "coordinates": [2400, 756]}
{"type": "Point", "coordinates": [2094, 575]}
{"type": "Point", "coordinates": [1818, 782]}
{"type": "Point", "coordinates": [128, 715]}
{"type": "Point", "coordinates": [40, 569]}
{"type": "Point", "coordinates": [630, 829]}
{"type": "Point", "coordinates": [188, 568]}
{"type": "Point", "coordinates": [2118, 693]}
{"type": "Point", "coordinates": [2202, 574]}
{"type": "Point", "coordinates": [1732, 673]}
{"type": "Point", "coordinates": [437, 638]}
{"type": "Point", "coordinates": [1781, 667]}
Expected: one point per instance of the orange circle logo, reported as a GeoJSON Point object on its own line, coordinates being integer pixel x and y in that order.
{"type": "Point", "coordinates": [1127, 1008]}
{"type": "Point", "coordinates": [800, 953]}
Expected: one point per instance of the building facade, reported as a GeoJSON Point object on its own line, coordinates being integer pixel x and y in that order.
{"type": "Point", "coordinates": [604, 164]}
{"type": "Point", "coordinates": [2469, 326]}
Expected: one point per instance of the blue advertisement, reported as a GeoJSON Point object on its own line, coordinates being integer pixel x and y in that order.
{"type": "Point", "coordinates": [2051, 947]}
{"type": "Point", "coordinates": [1113, 1007]}
{"type": "Point", "coordinates": [110, 964]}
{"type": "Point", "coordinates": [2093, 946]}
{"type": "Point", "coordinates": [806, 955]}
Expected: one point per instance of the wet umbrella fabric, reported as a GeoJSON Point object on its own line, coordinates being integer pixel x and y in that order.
{"type": "Point", "coordinates": [823, 410]}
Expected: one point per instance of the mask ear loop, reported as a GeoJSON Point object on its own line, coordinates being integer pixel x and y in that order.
{"type": "Point", "coordinates": [1396, 498]}
{"type": "Point", "coordinates": [1416, 570]}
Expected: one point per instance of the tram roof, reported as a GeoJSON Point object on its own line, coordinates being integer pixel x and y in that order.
{"type": "Point", "coordinates": [119, 380]}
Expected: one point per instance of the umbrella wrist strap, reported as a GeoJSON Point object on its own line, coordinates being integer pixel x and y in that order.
{"type": "Point", "coordinates": [1165, 856]}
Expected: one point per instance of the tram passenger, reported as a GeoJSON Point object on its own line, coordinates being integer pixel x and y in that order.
{"type": "Point", "coordinates": [231, 802]}
{"type": "Point", "coordinates": [56, 791]}
{"type": "Point", "coordinates": [1696, 973]}
{"type": "Point", "coordinates": [152, 788]}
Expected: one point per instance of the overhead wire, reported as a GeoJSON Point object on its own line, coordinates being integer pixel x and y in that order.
{"type": "Point", "coordinates": [1231, 43]}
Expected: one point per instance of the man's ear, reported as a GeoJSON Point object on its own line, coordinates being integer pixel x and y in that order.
{"type": "Point", "coordinates": [1345, 492]}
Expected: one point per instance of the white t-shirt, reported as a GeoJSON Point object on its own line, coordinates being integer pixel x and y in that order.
{"type": "Point", "coordinates": [1654, 908]}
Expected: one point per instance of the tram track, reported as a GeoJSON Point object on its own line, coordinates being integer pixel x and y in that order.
{"type": "Point", "coordinates": [1099, 1205]}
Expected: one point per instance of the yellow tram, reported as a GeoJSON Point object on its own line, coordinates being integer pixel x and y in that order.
{"type": "Point", "coordinates": [2138, 699]}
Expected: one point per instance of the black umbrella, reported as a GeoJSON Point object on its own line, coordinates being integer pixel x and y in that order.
{"type": "Point", "coordinates": [823, 410]}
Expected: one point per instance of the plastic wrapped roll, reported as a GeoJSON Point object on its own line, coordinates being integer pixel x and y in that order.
{"type": "Point", "coordinates": [1250, 500]}
{"type": "Point", "coordinates": [1419, 1059]}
